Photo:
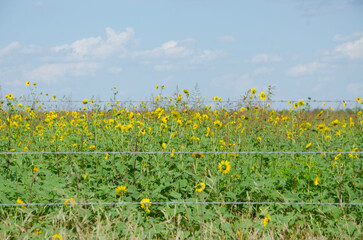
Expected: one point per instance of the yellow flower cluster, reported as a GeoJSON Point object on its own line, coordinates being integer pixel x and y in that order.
{"type": "Point", "coordinates": [266, 220]}
{"type": "Point", "coordinates": [145, 204]}
{"type": "Point", "coordinates": [121, 190]}
{"type": "Point", "coordinates": [200, 187]}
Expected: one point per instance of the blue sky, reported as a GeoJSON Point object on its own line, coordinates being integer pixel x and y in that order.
{"type": "Point", "coordinates": [304, 48]}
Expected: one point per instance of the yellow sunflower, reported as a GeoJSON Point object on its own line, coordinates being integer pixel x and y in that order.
{"type": "Point", "coordinates": [120, 190]}
{"type": "Point", "coordinates": [200, 187]}
{"type": "Point", "coordinates": [224, 167]}
{"type": "Point", "coordinates": [262, 96]}
{"type": "Point", "coordinates": [218, 123]}
{"type": "Point", "coordinates": [145, 204]}
{"type": "Point", "coordinates": [198, 155]}
{"type": "Point", "coordinates": [301, 103]}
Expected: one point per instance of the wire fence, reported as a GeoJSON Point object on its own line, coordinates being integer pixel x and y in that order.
{"type": "Point", "coordinates": [163, 153]}
{"type": "Point", "coordinates": [170, 152]}
{"type": "Point", "coordinates": [229, 104]}
{"type": "Point", "coordinates": [193, 101]}
{"type": "Point", "coordinates": [179, 203]}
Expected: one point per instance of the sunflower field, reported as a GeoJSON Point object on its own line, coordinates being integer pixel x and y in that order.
{"type": "Point", "coordinates": [195, 155]}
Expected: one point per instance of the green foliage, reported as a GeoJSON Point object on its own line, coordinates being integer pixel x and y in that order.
{"type": "Point", "coordinates": [179, 177]}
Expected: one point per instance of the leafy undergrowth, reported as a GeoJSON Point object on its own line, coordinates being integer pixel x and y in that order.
{"type": "Point", "coordinates": [181, 222]}
{"type": "Point", "coordinates": [172, 128]}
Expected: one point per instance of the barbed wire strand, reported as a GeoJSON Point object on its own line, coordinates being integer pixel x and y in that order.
{"type": "Point", "coordinates": [150, 153]}
{"type": "Point", "coordinates": [193, 101]}
{"type": "Point", "coordinates": [177, 203]}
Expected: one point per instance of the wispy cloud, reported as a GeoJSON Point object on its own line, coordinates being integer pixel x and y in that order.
{"type": "Point", "coordinates": [353, 36]}
{"type": "Point", "coordinates": [9, 48]}
{"type": "Point", "coordinates": [205, 56]}
{"type": "Point", "coordinates": [85, 57]}
{"type": "Point", "coordinates": [305, 69]}
{"type": "Point", "coordinates": [353, 50]}
{"type": "Point", "coordinates": [176, 55]}
{"type": "Point", "coordinates": [170, 49]}
{"type": "Point", "coordinates": [97, 47]}
{"type": "Point", "coordinates": [52, 72]}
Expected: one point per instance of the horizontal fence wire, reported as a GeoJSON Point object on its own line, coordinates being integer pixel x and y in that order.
{"type": "Point", "coordinates": [146, 153]}
{"type": "Point", "coordinates": [178, 203]}
{"type": "Point", "coordinates": [191, 101]}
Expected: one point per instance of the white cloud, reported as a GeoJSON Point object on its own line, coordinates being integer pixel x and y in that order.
{"type": "Point", "coordinates": [306, 69]}
{"type": "Point", "coordinates": [175, 55]}
{"type": "Point", "coordinates": [60, 48]}
{"type": "Point", "coordinates": [356, 88]}
{"type": "Point", "coordinates": [31, 49]}
{"type": "Point", "coordinates": [96, 47]}
{"type": "Point", "coordinates": [52, 72]}
{"type": "Point", "coordinates": [226, 39]}
{"type": "Point", "coordinates": [9, 48]}
{"type": "Point", "coordinates": [115, 41]}
{"type": "Point", "coordinates": [170, 49]}
{"type": "Point", "coordinates": [353, 50]}
{"type": "Point", "coordinates": [84, 56]}
{"type": "Point", "coordinates": [85, 46]}
{"type": "Point", "coordinates": [354, 36]}
{"type": "Point", "coordinates": [263, 58]}
{"type": "Point", "coordinates": [15, 49]}
{"type": "Point", "coordinates": [206, 56]}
